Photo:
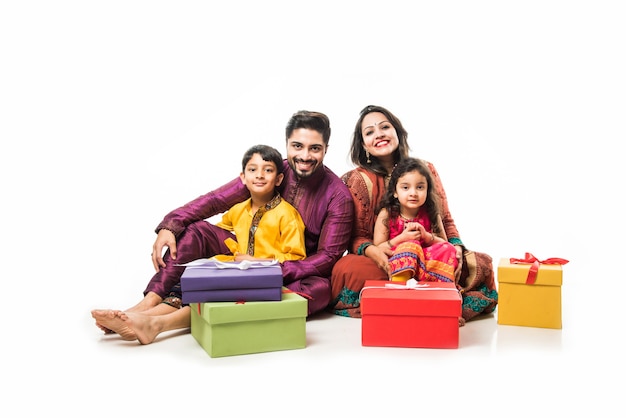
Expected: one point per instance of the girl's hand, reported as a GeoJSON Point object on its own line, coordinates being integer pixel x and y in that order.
{"type": "Point", "coordinates": [411, 231]}
{"type": "Point", "coordinates": [422, 232]}
{"type": "Point", "coordinates": [414, 231]}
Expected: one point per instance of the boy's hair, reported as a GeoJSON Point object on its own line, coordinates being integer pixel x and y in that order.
{"type": "Point", "coordinates": [316, 121]}
{"type": "Point", "coordinates": [432, 204]}
{"type": "Point", "coordinates": [267, 153]}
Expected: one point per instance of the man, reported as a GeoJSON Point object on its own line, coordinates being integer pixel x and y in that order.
{"type": "Point", "coordinates": [323, 200]}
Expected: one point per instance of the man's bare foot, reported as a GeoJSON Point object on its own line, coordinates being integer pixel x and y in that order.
{"type": "Point", "coordinates": [148, 302]}
{"type": "Point", "coordinates": [109, 319]}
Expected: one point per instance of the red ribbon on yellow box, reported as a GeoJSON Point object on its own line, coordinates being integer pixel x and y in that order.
{"type": "Point", "coordinates": [535, 262]}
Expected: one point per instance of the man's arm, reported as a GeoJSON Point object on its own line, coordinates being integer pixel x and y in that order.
{"type": "Point", "coordinates": [333, 239]}
{"type": "Point", "coordinates": [203, 207]}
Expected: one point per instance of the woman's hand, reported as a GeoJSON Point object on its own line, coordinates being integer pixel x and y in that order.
{"type": "Point", "coordinates": [378, 255]}
{"type": "Point", "coordinates": [165, 238]}
{"type": "Point", "coordinates": [459, 259]}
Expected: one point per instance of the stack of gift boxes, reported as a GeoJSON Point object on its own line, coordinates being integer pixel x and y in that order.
{"type": "Point", "coordinates": [243, 309]}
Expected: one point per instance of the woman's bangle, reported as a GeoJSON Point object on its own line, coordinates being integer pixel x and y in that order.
{"type": "Point", "coordinates": [362, 247]}
{"type": "Point", "coordinates": [389, 243]}
{"type": "Point", "coordinates": [432, 238]}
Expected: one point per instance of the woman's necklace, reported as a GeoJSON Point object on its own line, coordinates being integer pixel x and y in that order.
{"type": "Point", "coordinates": [388, 175]}
{"type": "Point", "coordinates": [391, 172]}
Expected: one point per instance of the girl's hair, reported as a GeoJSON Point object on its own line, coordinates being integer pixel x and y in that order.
{"type": "Point", "coordinates": [432, 204]}
{"type": "Point", "coordinates": [267, 153]}
{"type": "Point", "coordinates": [357, 150]}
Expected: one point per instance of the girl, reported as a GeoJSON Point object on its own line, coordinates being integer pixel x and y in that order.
{"type": "Point", "coordinates": [409, 227]}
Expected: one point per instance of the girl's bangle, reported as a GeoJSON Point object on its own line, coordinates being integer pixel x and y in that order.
{"type": "Point", "coordinates": [389, 243]}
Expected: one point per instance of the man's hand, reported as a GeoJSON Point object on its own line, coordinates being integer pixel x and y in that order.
{"type": "Point", "coordinates": [165, 238]}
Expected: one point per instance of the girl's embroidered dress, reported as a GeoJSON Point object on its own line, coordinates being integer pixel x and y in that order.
{"type": "Point", "coordinates": [413, 259]}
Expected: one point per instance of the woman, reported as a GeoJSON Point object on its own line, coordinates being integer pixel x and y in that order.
{"type": "Point", "coordinates": [379, 142]}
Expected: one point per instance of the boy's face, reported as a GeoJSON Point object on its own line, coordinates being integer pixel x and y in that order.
{"type": "Point", "coordinates": [261, 177]}
{"type": "Point", "coordinates": [305, 151]}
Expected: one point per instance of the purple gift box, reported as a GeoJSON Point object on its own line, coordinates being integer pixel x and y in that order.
{"type": "Point", "coordinates": [209, 280]}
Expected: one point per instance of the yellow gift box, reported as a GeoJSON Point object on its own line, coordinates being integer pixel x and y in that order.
{"type": "Point", "coordinates": [529, 292]}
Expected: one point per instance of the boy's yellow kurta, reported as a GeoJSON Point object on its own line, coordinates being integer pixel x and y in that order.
{"type": "Point", "coordinates": [279, 235]}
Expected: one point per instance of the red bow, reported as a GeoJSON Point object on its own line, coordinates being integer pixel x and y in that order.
{"type": "Point", "coordinates": [535, 262]}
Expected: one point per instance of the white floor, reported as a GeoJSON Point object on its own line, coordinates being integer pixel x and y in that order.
{"type": "Point", "coordinates": [498, 370]}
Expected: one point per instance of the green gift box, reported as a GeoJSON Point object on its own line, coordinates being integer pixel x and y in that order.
{"type": "Point", "coordinates": [234, 328]}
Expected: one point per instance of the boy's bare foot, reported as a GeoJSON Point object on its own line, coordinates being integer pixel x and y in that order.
{"type": "Point", "coordinates": [148, 302]}
{"type": "Point", "coordinates": [98, 314]}
{"type": "Point", "coordinates": [109, 319]}
{"type": "Point", "coordinates": [105, 329]}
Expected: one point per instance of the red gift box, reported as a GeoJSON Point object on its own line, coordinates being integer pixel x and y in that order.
{"type": "Point", "coordinates": [417, 314]}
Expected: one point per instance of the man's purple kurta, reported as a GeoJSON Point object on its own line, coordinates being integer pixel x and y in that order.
{"type": "Point", "coordinates": [326, 207]}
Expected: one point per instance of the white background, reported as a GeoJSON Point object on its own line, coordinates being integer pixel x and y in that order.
{"type": "Point", "coordinates": [114, 113]}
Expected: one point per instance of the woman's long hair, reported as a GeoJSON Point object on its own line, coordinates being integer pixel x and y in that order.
{"type": "Point", "coordinates": [357, 150]}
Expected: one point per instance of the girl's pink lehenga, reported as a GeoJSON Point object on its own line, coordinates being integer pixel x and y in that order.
{"type": "Point", "coordinates": [435, 263]}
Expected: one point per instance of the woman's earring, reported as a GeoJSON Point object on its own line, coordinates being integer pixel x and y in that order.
{"type": "Point", "coordinates": [367, 154]}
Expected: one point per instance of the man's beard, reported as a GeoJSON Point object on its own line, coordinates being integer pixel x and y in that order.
{"type": "Point", "coordinates": [314, 164]}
